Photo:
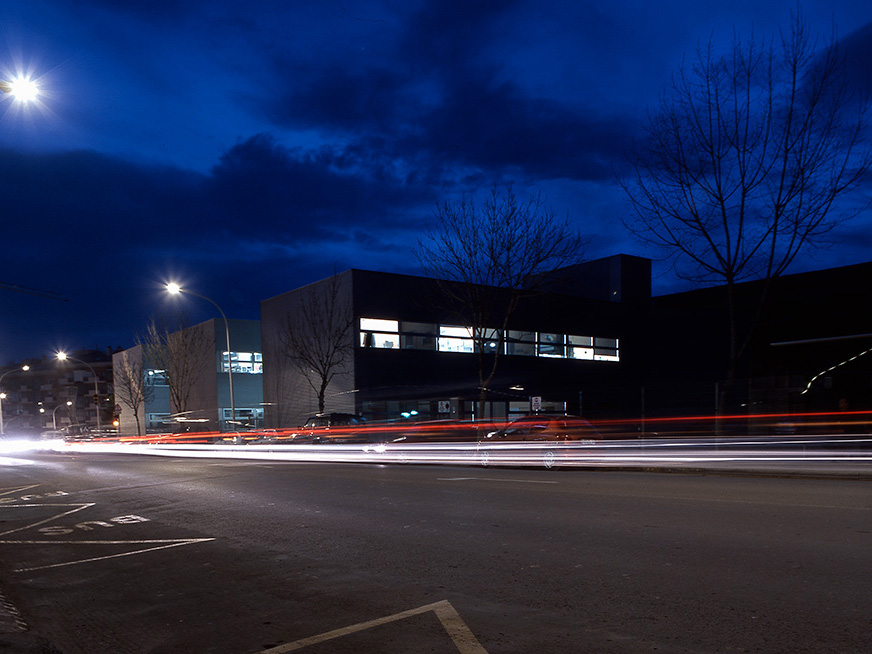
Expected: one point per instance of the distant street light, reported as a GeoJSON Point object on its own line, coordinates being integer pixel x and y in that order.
{"type": "Point", "coordinates": [175, 289]}
{"type": "Point", "coordinates": [54, 414]}
{"type": "Point", "coordinates": [24, 368]}
{"type": "Point", "coordinates": [63, 356]}
{"type": "Point", "coordinates": [22, 89]}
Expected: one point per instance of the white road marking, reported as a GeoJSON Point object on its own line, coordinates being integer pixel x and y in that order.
{"type": "Point", "coordinates": [459, 633]}
{"type": "Point", "coordinates": [79, 507]}
{"type": "Point", "coordinates": [17, 489]}
{"type": "Point", "coordinates": [165, 543]}
{"type": "Point", "coordinates": [178, 542]}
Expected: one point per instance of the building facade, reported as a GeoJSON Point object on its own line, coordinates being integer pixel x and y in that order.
{"type": "Point", "coordinates": [411, 348]}
{"type": "Point", "coordinates": [201, 397]}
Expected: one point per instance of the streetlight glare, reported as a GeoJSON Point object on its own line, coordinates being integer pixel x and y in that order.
{"type": "Point", "coordinates": [23, 89]}
{"type": "Point", "coordinates": [174, 288]}
{"type": "Point", "coordinates": [62, 356]}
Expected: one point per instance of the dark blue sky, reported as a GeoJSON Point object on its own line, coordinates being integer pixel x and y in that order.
{"type": "Point", "coordinates": [246, 148]}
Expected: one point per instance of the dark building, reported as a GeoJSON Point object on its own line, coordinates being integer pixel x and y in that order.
{"type": "Point", "coordinates": [411, 349]}
{"type": "Point", "coordinates": [808, 352]}
{"type": "Point", "coordinates": [594, 343]}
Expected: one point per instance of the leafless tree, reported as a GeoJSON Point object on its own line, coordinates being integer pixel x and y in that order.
{"type": "Point", "coordinates": [503, 243]}
{"type": "Point", "coordinates": [317, 335]}
{"type": "Point", "coordinates": [744, 160]}
{"type": "Point", "coordinates": [179, 350]}
{"type": "Point", "coordinates": [130, 386]}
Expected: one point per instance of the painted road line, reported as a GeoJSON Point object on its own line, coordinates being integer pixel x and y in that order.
{"type": "Point", "coordinates": [460, 634]}
{"type": "Point", "coordinates": [61, 514]}
{"type": "Point", "coordinates": [168, 543]}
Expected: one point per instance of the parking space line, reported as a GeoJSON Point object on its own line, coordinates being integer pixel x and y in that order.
{"type": "Point", "coordinates": [79, 507]}
{"type": "Point", "coordinates": [460, 634]}
{"type": "Point", "coordinates": [168, 543]}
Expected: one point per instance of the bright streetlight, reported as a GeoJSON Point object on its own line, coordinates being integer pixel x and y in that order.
{"type": "Point", "coordinates": [175, 289]}
{"type": "Point", "coordinates": [23, 368]}
{"type": "Point", "coordinates": [63, 356]}
{"type": "Point", "coordinates": [22, 89]}
{"type": "Point", "coordinates": [54, 414]}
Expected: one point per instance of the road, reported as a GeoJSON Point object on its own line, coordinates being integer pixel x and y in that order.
{"type": "Point", "coordinates": [126, 554]}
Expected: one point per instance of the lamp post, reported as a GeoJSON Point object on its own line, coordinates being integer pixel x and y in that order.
{"type": "Point", "coordinates": [54, 414]}
{"type": "Point", "coordinates": [175, 289]}
{"type": "Point", "coordinates": [63, 356]}
{"type": "Point", "coordinates": [24, 368]}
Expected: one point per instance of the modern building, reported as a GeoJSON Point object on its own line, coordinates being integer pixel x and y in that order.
{"type": "Point", "coordinates": [595, 343]}
{"type": "Point", "coordinates": [410, 347]}
{"type": "Point", "coordinates": [200, 399]}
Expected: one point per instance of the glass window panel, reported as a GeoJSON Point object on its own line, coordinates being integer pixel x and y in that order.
{"type": "Point", "coordinates": [524, 337]}
{"type": "Point", "coordinates": [450, 344]}
{"type": "Point", "coordinates": [520, 349]}
{"type": "Point", "coordinates": [606, 342]}
{"type": "Point", "coordinates": [551, 345]}
{"type": "Point", "coordinates": [386, 341]}
{"type": "Point", "coordinates": [581, 353]}
{"type": "Point", "coordinates": [419, 328]}
{"type": "Point", "coordinates": [583, 341]}
{"type": "Point", "coordinates": [418, 342]}
{"type": "Point", "coordinates": [460, 332]}
{"type": "Point", "coordinates": [377, 325]}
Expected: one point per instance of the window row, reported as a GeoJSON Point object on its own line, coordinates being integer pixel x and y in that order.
{"type": "Point", "coordinates": [243, 362]}
{"type": "Point", "coordinates": [394, 335]}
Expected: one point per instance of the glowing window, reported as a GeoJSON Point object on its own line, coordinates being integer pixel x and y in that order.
{"type": "Point", "coordinates": [377, 325]}
{"type": "Point", "coordinates": [551, 345]}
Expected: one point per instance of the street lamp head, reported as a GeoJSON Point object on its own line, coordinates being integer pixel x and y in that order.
{"type": "Point", "coordinates": [23, 89]}
{"type": "Point", "coordinates": [173, 288]}
{"type": "Point", "coordinates": [62, 356]}
{"type": "Point", "coordinates": [25, 367]}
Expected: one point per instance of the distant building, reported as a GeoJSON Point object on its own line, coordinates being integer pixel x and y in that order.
{"type": "Point", "coordinates": [54, 394]}
{"type": "Point", "coordinates": [209, 406]}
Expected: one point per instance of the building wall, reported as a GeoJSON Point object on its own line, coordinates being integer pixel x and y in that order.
{"type": "Point", "coordinates": [289, 396]}
{"type": "Point", "coordinates": [209, 399]}
{"type": "Point", "coordinates": [384, 382]}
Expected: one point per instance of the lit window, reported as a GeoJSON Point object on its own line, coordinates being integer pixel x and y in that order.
{"type": "Point", "coordinates": [606, 349]}
{"type": "Point", "coordinates": [579, 347]}
{"type": "Point", "coordinates": [551, 345]}
{"type": "Point", "coordinates": [250, 363]}
{"type": "Point", "coordinates": [376, 325]}
{"type": "Point", "coordinates": [455, 339]}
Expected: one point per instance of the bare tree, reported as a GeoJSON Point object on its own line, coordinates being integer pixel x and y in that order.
{"type": "Point", "coordinates": [317, 336]}
{"type": "Point", "coordinates": [743, 163]}
{"type": "Point", "coordinates": [130, 386]}
{"type": "Point", "coordinates": [502, 242]}
{"type": "Point", "coordinates": [176, 348]}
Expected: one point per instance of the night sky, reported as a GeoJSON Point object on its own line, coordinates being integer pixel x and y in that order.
{"type": "Point", "coordinates": [246, 148]}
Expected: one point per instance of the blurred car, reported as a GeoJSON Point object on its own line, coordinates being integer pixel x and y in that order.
{"type": "Point", "coordinates": [331, 428]}
{"type": "Point", "coordinates": [545, 427]}
{"type": "Point", "coordinates": [539, 439]}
